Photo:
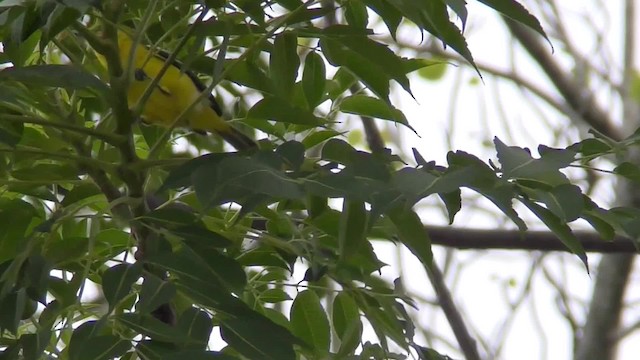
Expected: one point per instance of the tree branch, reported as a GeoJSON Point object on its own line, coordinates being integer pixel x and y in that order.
{"type": "Point", "coordinates": [580, 99]}
{"type": "Point", "coordinates": [477, 239]}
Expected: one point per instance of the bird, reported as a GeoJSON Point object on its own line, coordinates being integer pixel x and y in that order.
{"type": "Point", "coordinates": [176, 90]}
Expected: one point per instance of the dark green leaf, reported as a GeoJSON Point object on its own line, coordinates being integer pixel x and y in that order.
{"type": "Point", "coordinates": [64, 76]}
{"type": "Point", "coordinates": [195, 274]}
{"type": "Point", "coordinates": [274, 296]}
{"type": "Point", "coordinates": [156, 350]}
{"type": "Point", "coordinates": [599, 219]}
{"type": "Point", "coordinates": [284, 63]}
{"type": "Point", "coordinates": [12, 305]}
{"type": "Point", "coordinates": [117, 282]}
{"type": "Point", "coordinates": [558, 227]}
{"type": "Point", "coordinates": [460, 8]}
{"type": "Point", "coordinates": [362, 67]}
{"type": "Point", "coordinates": [314, 79]}
{"type": "Point", "coordinates": [33, 345]}
{"type": "Point", "coordinates": [10, 132]}
{"type": "Point", "coordinates": [388, 13]}
{"type": "Point", "coordinates": [281, 110]}
{"type": "Point", "coordinates": [592, 147]}
{"type": "Point", "coordinates": [355, 12]}
{"type": "Point", "coordinates": [256, 337]}
{"type": "Point", "coordinates": [47, 172]}
{"type": "Point", "coordinates": [153, 328]}
{"type": "Point", "coordinates": [434, 17]}
{"type": "Point", "coordinates": [154, 293]}
{"type": "Point", "coordinates": [566, 201]}
{"type": "Point", "coordinates": [453, 202]}
{"type": "Point", "coordinates": [217, 27]}
{"type": "Point", "coordinates": [353, 228]}
{"type": "Point", "coordinates": [197, 325]}
{"type": "Point", "coordinates": [517, 12]}
{"type": "Point", "coordinates": [318, 137]}
{"type": "Point", "coordinates": [12, 232]}
{"type": "Point", "coordinates": [247, 74]}
{"type": "Point", "coordinates": [368, 106]}
{"type": "Point", "coordinates": [412, 233]}
{"type": "Point", "coordinates": [236, 178]}
{"type": "Point", "coordinates": [293, 153]}
{"type": "Point", "coordinates": [99, 347]}
{"type": "Point", "coordinates": [309, 321]}
{"type": "Point", "coordinates": [80, 192]}
{"type": "Point", "coordinates": [346, 323]}
{"type": "Point", "coordinates": [517, 163]}
{"type": "Point", "coordinates": [629, 171]}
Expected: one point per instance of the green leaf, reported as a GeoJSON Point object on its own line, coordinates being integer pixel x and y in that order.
{"type": "Point", "coordinates": [256, 337]}
{"type": "Point", "coordinates": [154, 292]}
{"type": "Point", "coordinates": [293, 154]}
{"type": "Point", "coordinates": [33, 345]}
{"type": "Point", "coordinates": [433, 71]}
{"type": "Point", "coordinates": [629, 171]}
{"type": "Point", "coordinates": [47, 172]}
{"type": "Point", "coordinates": [318, 137]}
{"type": "Point", "coordinates": [599, 219]}
{"type": "Point", "coordinates": [234, 179]}
{"type": "Point", "coordinates": [273, 296]}
{"type": "Point", "coordinates": [592, 147]}
{"type": "Point", "coordinates": [368, 106]}
{"type": "Point", "coordinates": [412, 233]}
{"type": "Point", "coordinates": [12, 305]}
{"type": "Point", "coordinates": [434, 17]}
{"type": "Point", "coordinates": [12, 232]}
{"type": "Point", "coordinates": [216, 27]}
{"type": "Point", "coordinates": [566, 201]}
{"type": "Point", "coordinates": [517, 12]}
{"type": "Point", "coordinates": [281, 110]}
{"type": "Point", "coordinates": [558, 227]}
{"type": "Point", "coordinates": [195, 275]}
{"type": "Point", "coordinates": [314, 79]}
{"type": "Point", "coordinates": [100, 347]}
{"type": "Point", "coordinates": [362, 67]}
{"type": "Point", "coordinates": [80, 192]}
{"type": "Point", "coordinates": [388, 13]}
{"type": "Point", "coordinates": [65, 76]}
{"type": "Point", "coordinates": [460, 8]}
{"type": "Point", "coordinates": [197, 325]}
{"type": "Point", "coordinates": [245, 73]}
{"type": "Point", "coordinates": [10, 132]}
{"type": "Point", "coordinates": [355, 12]}
{"type": "Point", "coordinates": [346, 323]}
{"type": "Point", "coordinates": [284, 63]}
{"type": "Point", "coordinates": [117, 282]}
{"type": "Point", "coordinates": [309, 321]}
{"type": "Point", "coordinates": [155, 329]}
{"type": "Point", "coordinates": [156, 350]}
{"type": "Point", "coordinates": [372, 62]}
{"type": "Point", "coordinates": [353, 228]}
{"type": "Point", "coordinates": [453, 202]}
{"type": "Point", "coordinates": [517, 163]}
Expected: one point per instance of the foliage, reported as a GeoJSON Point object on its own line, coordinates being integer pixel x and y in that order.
{"type": "Point", "coordinates": [84, 183]}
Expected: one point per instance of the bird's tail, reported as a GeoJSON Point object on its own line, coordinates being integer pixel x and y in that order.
{"type": "Point", "coordinates": [237, 139]}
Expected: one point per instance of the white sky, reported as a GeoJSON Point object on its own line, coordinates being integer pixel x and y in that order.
{"type": "Point", "coordinates": [485, 277]}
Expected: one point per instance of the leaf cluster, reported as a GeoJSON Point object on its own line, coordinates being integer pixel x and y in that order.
{"type": "Point", "coordinates": [84, 183]}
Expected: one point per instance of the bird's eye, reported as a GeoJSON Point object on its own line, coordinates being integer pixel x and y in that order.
{"type": "Point", "coordinates": [140, 75]}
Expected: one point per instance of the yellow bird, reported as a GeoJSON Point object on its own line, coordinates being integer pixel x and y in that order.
{"type": "Point", "coordinates": [176, 91]}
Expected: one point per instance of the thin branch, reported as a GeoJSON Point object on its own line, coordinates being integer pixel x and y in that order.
{"type": "Point", "coordinates": [579, 98]}
{"type": "Point", "coordinates": [465, 340]}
